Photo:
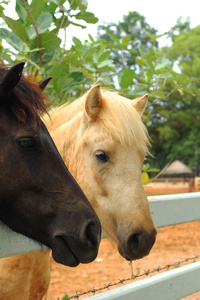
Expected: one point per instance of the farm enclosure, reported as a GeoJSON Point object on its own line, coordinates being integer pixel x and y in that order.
{"type": "Point", "coordinates": [174, 243]}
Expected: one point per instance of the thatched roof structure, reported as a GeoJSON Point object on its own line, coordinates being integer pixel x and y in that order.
{"type": "Point", "coordinates": [177, 168]}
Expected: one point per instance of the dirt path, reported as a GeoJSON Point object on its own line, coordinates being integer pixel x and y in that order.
{"type": "Point", "coordinates": [173, 243]}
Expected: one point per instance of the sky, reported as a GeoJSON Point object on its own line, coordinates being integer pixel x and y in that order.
{"type": "Point", "coordinates": [162, 15]}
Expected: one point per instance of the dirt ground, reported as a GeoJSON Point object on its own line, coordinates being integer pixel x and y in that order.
{"type": "Point", "coordinates": [173, 243]}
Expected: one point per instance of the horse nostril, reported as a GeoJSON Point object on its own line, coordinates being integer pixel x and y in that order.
{"type": "Point", "coordinates": [135, 242]}
{"type": "Point", "coordinates": [92, 234]}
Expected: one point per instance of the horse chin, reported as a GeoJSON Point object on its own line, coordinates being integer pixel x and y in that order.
{"type": "Point", "coordinates": [62, 253]}
{"type": "Point", "coordinates": [131, 256]}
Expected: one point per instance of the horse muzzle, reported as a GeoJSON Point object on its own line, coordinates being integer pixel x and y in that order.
{"type": "Point", "coordinates": [137, 245]}
{"type": "Point", "coordinates": [74, 248]}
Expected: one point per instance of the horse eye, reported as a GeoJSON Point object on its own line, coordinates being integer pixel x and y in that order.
{"type": "Point", "coordinates": [28, 143]}
{"type": "Point", "coordinates": [101, 156]}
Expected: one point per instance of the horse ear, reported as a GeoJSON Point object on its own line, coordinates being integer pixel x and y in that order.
{"type": "Point", "coordinates": [12, 77]}
{"type": "Point", "coordinates": [93, 102]}
{"type": "Point", "coordinates": [42, 84]}
{"type": "Point", "coordinates": [140, 103]}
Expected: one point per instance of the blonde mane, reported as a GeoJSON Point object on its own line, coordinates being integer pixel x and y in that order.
{"type": "Point", "coordinates": [118, 117]}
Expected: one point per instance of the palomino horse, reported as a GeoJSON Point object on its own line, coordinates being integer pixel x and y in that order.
{"type": "Point", "coordinates": [38, 196]}
{"type": "Point", "coordinates": [103, 142]}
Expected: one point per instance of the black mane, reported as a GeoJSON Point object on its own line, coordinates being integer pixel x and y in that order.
{"type": "Point", "coordinates": [25, 101]}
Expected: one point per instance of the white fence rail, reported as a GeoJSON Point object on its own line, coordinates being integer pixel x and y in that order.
{"type": "Point", "coordinates": [166, 210]}
{"type": "Point", "coordinates": [175, 284]}
{"type": "Point", "coordinates": [170, 285]}
{"type": "Point", "coordinates": [175, 209]}
{"type": "Point", "coordinates": [13, 243]}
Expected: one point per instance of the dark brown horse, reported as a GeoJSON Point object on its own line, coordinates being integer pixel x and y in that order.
{"type": "Point", "coordinates": [38, 196]}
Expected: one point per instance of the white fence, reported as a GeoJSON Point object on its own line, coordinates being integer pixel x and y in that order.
{"type": "Point", "coordinates": [166, 210]}
{"type": "Point", "coordinates": [171, 285]}
{"type": "Point", "coordinates": [13, 243]}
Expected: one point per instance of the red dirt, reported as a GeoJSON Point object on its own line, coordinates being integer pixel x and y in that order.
{"type": "Point", "coordinates": [174, 243]}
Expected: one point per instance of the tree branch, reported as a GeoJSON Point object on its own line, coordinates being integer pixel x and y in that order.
{"type": "Point", "coordinates": [37, 34]}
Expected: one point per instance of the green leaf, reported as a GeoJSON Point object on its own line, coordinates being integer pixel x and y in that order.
{"type": "Point", "coordinates": [114, 39]}
{"type": "Point", "coordinates": [164, 62]}
{"type": "Point", "coordinates": [104, 55]}
{"type": "Point", "coordinates": [127, 78]}
{"type": "Point", "coordinates": [88, 17]}
{"type": "Point", "coordinates": [43, 23]}
{"type": "Point", "coordinates": [36, 8]}
{"type": "Point", "coordinates": [91, 38]}
{"type": "Point", "coordinates": [125, 40]}
{"type": "Point", "coordinates": [155, 37]}
{"type": "Point", "coordinates": [72, 4]}
{"type": "Point", "coordinates": [76, 41]}
{"type": "Point", "coordinates": [105, 63]}
{"type": "Point", "coordinates": [17, 27]}
{"type": "Point", "coordinates": [21, 10]}
{"type": "Point", "coordinates": [49, 42]}
{"type": "Point", "coordinates": [1, 11]}
{"type": "Point", "coordinates": [89, 67]}
{"type": "Point", "coordinates": [47, 58]}
{"type": "Point", "coordinates": [82, 4]}
{"type": "Point", "coordinates": [163, 76]}
{"type": "Point", "coordinates": [77, 76]}
{"type": "Point", "coordinates": [60, 70]}
{"type": "Point", "coordinates": [65, 297]}
{"type": "Point", "coordinates": [55, 2]}
{"type": "Point", "coordinates": [11, 38]}
{"type": "Point", "coordinates": [139, 91]}
{"type": "Point", "coordinates": [88, 53]}
{"type": "Point", "coordinates": [146, 167]}
{"type": "Point", "coordinates": [153, 170]}
{"type": "Point", "coordinates": [52, 6]}
{"type": "Point", "coordinates": [140, 61]}
{"type": "Point", "coordinates": [71, 81]}
{"type": "Point", "coordinates": [60, 74]}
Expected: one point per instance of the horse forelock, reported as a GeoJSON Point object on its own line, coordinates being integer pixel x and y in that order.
{"type": "Point", "coordinates": [25, 101]}
{"type": "Point", "coordinates": [119, 117]}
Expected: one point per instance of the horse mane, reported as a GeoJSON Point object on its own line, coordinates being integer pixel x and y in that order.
{"type": "Point", "coordinates": [25, 101]}
{"type": "Point", "coordinates": [117, 117]}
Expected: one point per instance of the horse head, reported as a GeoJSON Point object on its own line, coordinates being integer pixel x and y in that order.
{"type": "Point", "coordinates": [38, 196]}
{"type": "Point", "coordinates": [108, 143]}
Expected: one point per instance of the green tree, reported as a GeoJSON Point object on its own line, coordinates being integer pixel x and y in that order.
{"type": "Point", "coordinates": [143, 68]}
{"type": "Point", "coordinates": [176, 130]}
{"type": "Point", "coordinates": [127, 38]}
{"type": "Point", "coordinates": [33, 38]}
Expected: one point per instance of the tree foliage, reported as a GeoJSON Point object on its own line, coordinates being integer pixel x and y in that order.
{"type": "Point", "coordinates": [125, 56]}
{"type": "Point", "coordinates": [34, 38]}
{"type": "Point", "coordinates": [127, 38]}
{"type": "Point", "coordinates": [176, 129]}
